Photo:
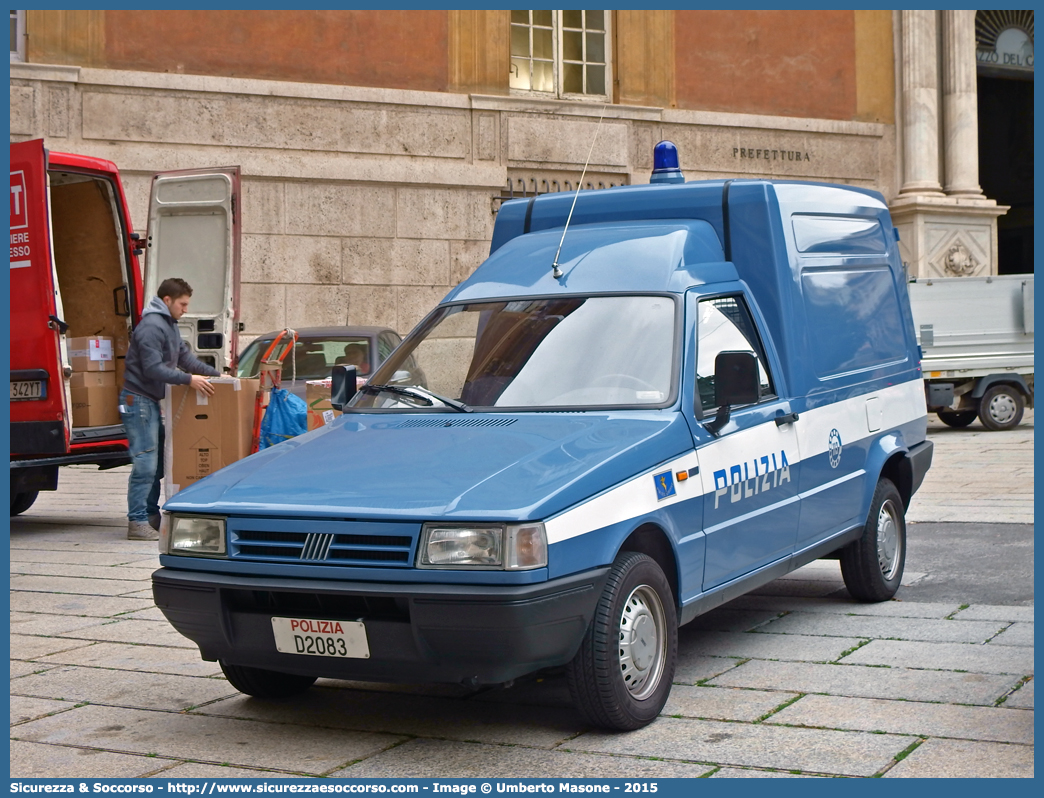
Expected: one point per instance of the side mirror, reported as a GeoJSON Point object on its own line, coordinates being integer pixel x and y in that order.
{"type": "Point", "coordinates": [344, 386]}
{"type": "Point", "coordinates": [735, 383]}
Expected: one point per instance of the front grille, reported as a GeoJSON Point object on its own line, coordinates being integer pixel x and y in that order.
{"type": "Point", "coordinates": [346, 543]}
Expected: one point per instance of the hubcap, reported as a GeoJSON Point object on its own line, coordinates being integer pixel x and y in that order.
{"type": "Point", "coordinates": [888, 544]}
{"type": "Point", "coordinates": [643, 641]}
{"type": "Point", "coordinates": [1002, 408]}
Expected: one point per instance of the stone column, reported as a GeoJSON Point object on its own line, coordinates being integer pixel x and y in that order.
{"type": "Point", "coordinates": [920, 104]}
{"type": "Point", "coordinates": [960, 105]}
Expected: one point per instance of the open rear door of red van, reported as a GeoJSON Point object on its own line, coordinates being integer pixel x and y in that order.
{"type": "Point", "coordinates": [40, 418]}
{"type": "Point", "coordinates": [194, 233]}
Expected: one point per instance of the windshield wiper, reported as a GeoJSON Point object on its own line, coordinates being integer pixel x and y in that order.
{"type": "Point", "coordinates": [414, 392]}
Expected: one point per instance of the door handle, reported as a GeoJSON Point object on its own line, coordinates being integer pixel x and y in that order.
{"type": "Point", "coordinates": [57, 324]}
{"type": "Point", "coordinates": [116, 300]}
{"type": "Point", "coordinates": [789, 418]}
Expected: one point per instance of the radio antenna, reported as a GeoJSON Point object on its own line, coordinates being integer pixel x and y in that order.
{"type": "Point", "coordinates": [555, 271]}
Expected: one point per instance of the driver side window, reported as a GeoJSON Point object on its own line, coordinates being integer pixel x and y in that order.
{"type": "Point", "coordinates": [724, 324]}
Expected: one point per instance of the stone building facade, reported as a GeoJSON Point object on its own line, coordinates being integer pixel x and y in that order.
{"type": "Point", "coordinates": [376, 147]}
{"type": "Point", "coordinates": [947, 226]}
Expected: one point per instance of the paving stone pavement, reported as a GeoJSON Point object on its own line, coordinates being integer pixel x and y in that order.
{"type": "Point", "coordinates": [794, 680]}
{"type": "Point", "coordinates": [976, 473]}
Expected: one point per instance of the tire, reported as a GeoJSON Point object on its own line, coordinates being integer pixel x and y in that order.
{"type": "Point", "coordinates": [1001, 407]}
{"type": "Point", "coordinates": [20, 502]}
{"type": "Point", "coordinates": [873, 565]}
{"type": "Point", "coordinates": [957, 419]}
{"type": "Point", "coordinates": [621, 676]}
{"type": "Point", "coordinates": [265, 684]}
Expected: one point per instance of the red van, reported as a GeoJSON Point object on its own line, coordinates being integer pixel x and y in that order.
{"type": "Point", "coordinates": [75, 273]}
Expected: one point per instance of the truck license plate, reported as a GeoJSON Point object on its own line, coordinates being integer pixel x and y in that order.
{"type": "Point", "coordinates": [27, 389]}
{"type": "Point", "coordinates": [321, 638]}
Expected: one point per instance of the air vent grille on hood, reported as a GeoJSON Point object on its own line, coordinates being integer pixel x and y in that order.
{"type": "Point", "coordinates": [462, 422]}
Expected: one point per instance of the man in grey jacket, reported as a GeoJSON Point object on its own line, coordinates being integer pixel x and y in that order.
{"type": "Point", "coordinates": [156, 357]}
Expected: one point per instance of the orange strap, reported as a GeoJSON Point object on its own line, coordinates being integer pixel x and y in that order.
{"type": "Point", "coordinates": [275, 343]}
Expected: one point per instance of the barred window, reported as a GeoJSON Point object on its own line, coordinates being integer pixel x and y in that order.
{"type": "Point", "coordinates": [17, 35]}
{"type": "Point", "coordinates": [561, 53]}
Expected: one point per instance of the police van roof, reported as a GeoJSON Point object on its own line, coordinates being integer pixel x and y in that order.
{"type": "Point", "coordinates": [628, 256]}
{"type": "Point", "coordinates": [657, 237]}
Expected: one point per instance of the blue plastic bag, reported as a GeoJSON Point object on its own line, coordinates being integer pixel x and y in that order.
{"type": "Point", "coordinates": [285, 418]}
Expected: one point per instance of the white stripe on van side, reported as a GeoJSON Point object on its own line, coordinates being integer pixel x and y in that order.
{"type": "Point", "coordinates": [628, 500]}
{"type": "Point", "coordinates": [900, 404]}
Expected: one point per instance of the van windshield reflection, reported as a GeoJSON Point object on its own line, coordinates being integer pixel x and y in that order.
{"type": "Point", "coordinates": [608, 351]}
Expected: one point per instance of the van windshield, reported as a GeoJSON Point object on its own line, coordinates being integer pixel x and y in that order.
{"type": "Point", "coordinates": [561, 352]}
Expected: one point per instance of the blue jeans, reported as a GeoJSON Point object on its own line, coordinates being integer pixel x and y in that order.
{"type": "Point", "coordinates": [141, 420]}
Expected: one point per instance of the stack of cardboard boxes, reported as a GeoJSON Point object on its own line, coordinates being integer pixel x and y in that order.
{"type": "Point", "coordinates": [93, 382]}
{"type": "Point", "coordinates": [206, 433]}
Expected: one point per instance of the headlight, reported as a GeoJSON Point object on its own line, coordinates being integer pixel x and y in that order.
{"type": "Point", "coordinates": [483, 546]}
{"type": "Point", "coordinates": [194, 534]}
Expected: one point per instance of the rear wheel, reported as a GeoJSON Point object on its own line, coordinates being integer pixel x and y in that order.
{"type": "Point", "coordinates": [621, 676]}
{"type": "Point", "coordinates": [1001, 407]}
{"type": "Point", "coordinates": [20, 502]}
{"type": "Point", "coordinates": [261, 683]}
{"type": "Point", "coordinates": [957, 419]}
{"type": "Point", "coordinates": [873, 565]}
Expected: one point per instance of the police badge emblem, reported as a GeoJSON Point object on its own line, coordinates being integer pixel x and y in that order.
{"type": "Point", "coordinates": [834, 448]}
{"type": "Point", "coordinates": [664, 485]}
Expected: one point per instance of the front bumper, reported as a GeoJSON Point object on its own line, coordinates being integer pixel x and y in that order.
{"type": "Point", "coordinates": [478, 634]}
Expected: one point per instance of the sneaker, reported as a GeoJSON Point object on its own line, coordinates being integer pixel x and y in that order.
{"type": "Point", "coordinates": [139, 530]}
{"type": "Point", "coordinates": [154, 520]}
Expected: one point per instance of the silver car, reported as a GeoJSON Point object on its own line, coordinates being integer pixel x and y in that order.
{"type": "Point", "coordinates": [318, 350]}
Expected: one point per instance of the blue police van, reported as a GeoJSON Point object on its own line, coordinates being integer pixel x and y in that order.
{"type": "Point", "coordinates": [647, 401]}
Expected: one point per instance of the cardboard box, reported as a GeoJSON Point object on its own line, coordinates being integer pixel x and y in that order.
{"type": "Point", "coordinates": [94, 399]}
{"type": "Point", "coordinates": [206, 433]}
{"type": "Point", "coordinates": [317, 397]}
{"type": "Point", "coordinates": [93, 353]}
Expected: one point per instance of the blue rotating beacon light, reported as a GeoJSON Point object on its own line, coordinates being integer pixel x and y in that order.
{"type": "Point", "coordinates": [665, 164]}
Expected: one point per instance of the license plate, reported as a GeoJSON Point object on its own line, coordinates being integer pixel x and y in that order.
{"type": "Point", "coordinates": [346, 639]}
{"type": "Point", "coordinates": [28, 389]}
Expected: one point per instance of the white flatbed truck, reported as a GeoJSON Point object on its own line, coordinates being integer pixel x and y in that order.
{"type": "Point", "coordinates": [976, 338]}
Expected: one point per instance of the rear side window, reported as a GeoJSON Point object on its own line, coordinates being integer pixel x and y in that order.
{"type": "Point", "coordinates": [854, 319]}
{"type": "Point", "coordinates": [839, 235]}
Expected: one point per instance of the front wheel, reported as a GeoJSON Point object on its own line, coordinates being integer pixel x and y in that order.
{"type": "Point", "coordinates": [265, 684]}
{"type": "Point", "coordinates": [1001, 407]}
{"type": "Point", "coordinates": [873, 565]}
{"type": "Point", "coordinates": [621, 676]}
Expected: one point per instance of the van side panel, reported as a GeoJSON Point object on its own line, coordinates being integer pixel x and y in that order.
{"type": "Point", "coordinates": [855, 313]}
{"type": "Point", "coordinates": [860, 379]}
